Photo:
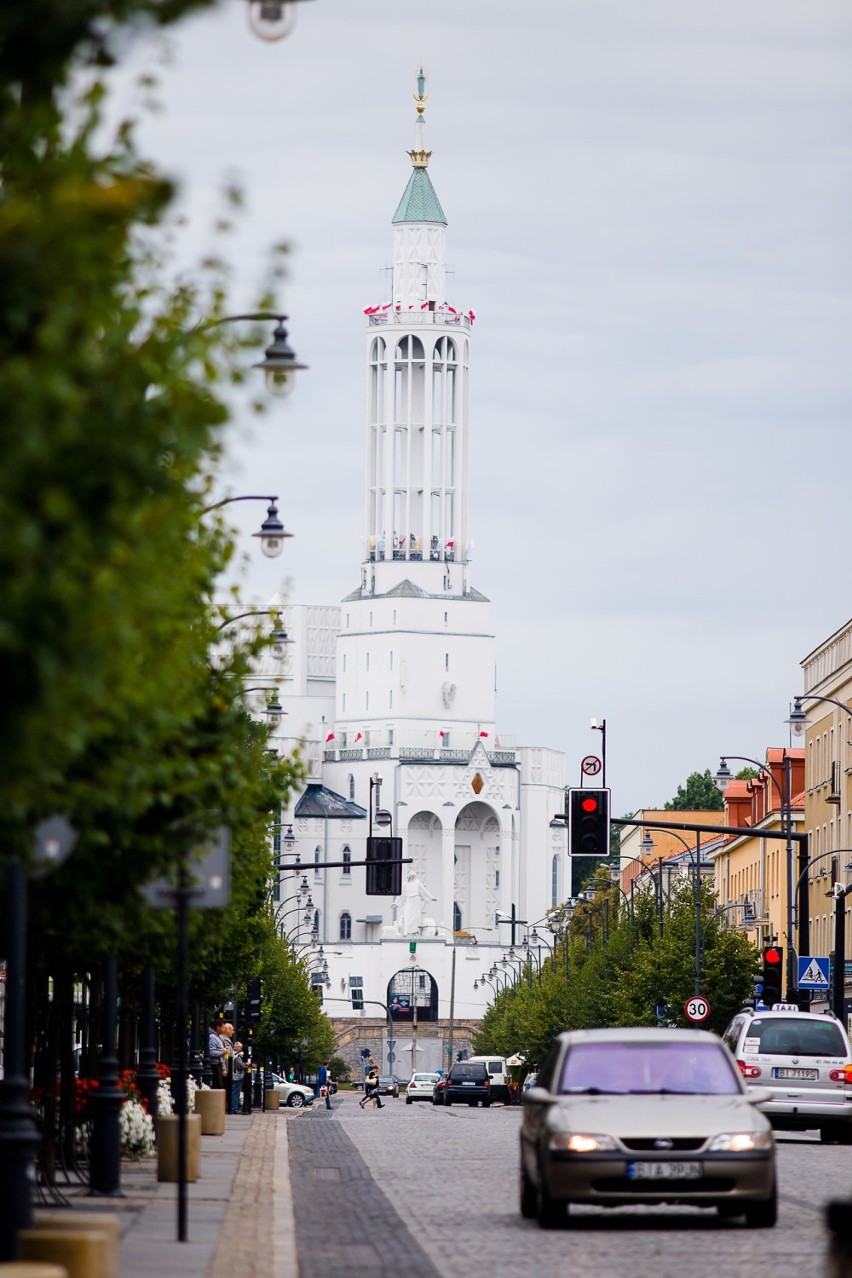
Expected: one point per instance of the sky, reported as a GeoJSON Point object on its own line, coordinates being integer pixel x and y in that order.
{"type": "Point", "coordinates": [649, 210]}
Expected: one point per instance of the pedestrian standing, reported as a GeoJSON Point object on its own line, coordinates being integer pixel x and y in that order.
{"type": "Point", "coordinates": [216, 1051]}
{"type": "Point", "coordinates": [324, 1084]}
{"type": "Point", "coordinates": [238, 1073]}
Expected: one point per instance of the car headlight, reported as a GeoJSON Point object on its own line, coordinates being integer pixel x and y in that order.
{"type": "Point", "coordinates": [741, 1142]}
{"type": "Point", "coordinates": [581, 1142]}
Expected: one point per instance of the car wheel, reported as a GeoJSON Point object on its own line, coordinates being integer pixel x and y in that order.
{"type": "Point", "coordinates": [447, 1100]}
{"type": "Point", "coordinates": [409, 1101]}
{"type": "Point", "coordinates": [529, 1198]}
{"type": "Point", "coordinates": [551, 1214]}
{"type": "Point", "coordinates": [836, 1133]}
{"type": "Point", "coordinates": [763, 1215]}
{"type": "Point", "coordinates": [296, 1101]}
{"type": "Point", "coordinates": [486, 1104]}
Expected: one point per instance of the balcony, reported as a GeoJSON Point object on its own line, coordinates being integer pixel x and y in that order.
{"type": "Point", "coordinates": [411, 747]}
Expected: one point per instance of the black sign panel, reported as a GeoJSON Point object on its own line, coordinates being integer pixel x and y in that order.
{"type": "Point", "coordinates": [384, 867]}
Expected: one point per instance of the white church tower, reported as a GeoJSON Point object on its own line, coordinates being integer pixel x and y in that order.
{"type": "Point", "coordinates": [394, 692]}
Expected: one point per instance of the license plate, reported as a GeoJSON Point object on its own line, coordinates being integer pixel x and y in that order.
{"type": "Point", "coordinates": [468, 1084]}
{"type": "Point", "coordinates": [802, 1075]}
{"type": "Point", "coordinates": [664, 1171]}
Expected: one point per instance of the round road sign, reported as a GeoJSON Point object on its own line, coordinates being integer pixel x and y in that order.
{"type": "Point", "coordinates": [591, 765]}
{"type": "Point", "coordinates": [697, 1008]}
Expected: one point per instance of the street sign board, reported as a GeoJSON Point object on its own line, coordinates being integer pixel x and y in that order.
{"type": "Point", "coordinates": [697, 1008]}
{"type": "Point", "coordinates": [813, 972]}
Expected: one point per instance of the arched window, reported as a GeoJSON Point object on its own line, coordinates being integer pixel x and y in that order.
{"type": "Point", "coordinates": [345, 926]}
{"type": "Point", "coordinates": [316, 922]}
{"type": "Point", "coordinates": [554, 881]}
{"type": "Point", "coordinates": [457, 917]}
{"type": "Point", "coordinates": [351, 788]}
{"type": "Point", "coordinates": [317, 859]}
{"type": "Point", "coordinates": [347, 861]}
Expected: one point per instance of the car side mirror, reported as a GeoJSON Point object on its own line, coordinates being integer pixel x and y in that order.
{"type": "Point", "coordinates": [536, 1096]}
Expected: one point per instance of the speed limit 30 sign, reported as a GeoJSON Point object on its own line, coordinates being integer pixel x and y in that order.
{"type": "Point", "coordinates": [697, 1008]}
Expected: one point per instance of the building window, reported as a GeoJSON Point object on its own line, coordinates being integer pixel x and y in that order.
{"type": "Point", "coordinates": [345, 927]}
{"type": "Point", "coordinates": [368, 661]}
{"type": "Point", "coordinates": [390, 700]}
{"type": "Point", "coordinates": [351, 788]}
{"type": "Point", "coordinates": [317, 984]}
{"type": "Point", "coordinates": [316, 922]}
{"type": "Point", "coordinates": [554, 881]}
{"type": "Point", "coordinates": [347, 861]}
{"type": "Point", "coordinates": [446, 661]}
{"type": "Point", "coordinates": [457, 917]}
{"type": "Point", "coordinates": [496, 878]}
{"type": "Point", "coordinates": [317, 859]}
{"type": "Point", "coordinates": [356, 988]}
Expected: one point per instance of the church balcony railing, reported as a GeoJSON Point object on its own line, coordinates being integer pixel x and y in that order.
{"type": "Point", "coordinates": [402, 548]}
{"type": "Point", "coordinates": [444, 317]}
{"type": "Point", "coordinates": [454, 746]}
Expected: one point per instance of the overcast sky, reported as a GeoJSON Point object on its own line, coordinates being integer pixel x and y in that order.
{"type": "Point", "coordinates": [649, 211]}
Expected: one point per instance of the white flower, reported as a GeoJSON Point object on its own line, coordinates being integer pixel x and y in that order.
{"type": "Point", "coordinates": [137, 1130]}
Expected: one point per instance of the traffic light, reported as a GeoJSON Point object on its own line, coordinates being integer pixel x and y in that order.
{"type": "Point", "coordinates": [773, 974]}
{"type": "Point", "coordinates": [384, 879]}
{"type": "Point", "coordinates": [588, 822]}
{"type": "Point", "coordinates": [254, 1001]}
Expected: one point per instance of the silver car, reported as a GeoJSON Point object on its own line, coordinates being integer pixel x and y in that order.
{"type": "Point", "coordinates": [804, 1059]}
{"type": "Point", "coordinates": [623, 1116]}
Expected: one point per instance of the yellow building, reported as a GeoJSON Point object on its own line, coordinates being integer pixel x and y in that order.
{"type": "Point", "coordinates": [828, 788]}
{"type": "Point", "coordinates": [753, 873]}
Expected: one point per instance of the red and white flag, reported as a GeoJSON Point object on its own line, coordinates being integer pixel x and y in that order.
{"type": "Point", "coordinates": [370, 310]}
{"type": "Point", "coordinates": [330, 736]}
{"type": "Point", "coordinates": [442, 733]}
{"type": "Point", "coordinates": [483, 734]}
{"type": "Point", "coordinates": [471, 316]}
{"type": "Point", "coordinates": [452, 310]}
{"type": "Point", "coordinates": [359, 736]}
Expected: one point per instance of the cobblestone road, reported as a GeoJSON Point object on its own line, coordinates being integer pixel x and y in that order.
{"type": "Point", "coordinates": [448, 1205]}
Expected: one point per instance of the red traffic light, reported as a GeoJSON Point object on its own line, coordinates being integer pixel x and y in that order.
{"type": "Point", "coordinates": [772, 956]}
{"type": "Point", "coordinates": [589, 804]}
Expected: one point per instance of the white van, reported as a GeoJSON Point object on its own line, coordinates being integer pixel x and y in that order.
{"type": "Point", "coordinates": [499, 1075]}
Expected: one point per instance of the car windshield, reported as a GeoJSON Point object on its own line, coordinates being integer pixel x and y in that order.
{"type": "Point", "coordinates": [469, 1071]}
{"type": "Point", "coordinates": [794, 1036]}
{"type": "Point", "coordinates": [688, 1069]}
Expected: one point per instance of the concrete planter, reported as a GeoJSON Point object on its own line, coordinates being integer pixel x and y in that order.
{"type": "Point", "coordinates": [210, 1106]}
{"type": "Point", "coordinates": [167, 1147]}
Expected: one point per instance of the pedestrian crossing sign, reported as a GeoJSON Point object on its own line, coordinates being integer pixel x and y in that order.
{"type": "Point", "coordinates": [813, 973]}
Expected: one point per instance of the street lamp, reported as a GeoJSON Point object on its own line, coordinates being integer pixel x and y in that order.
{"type": "Point", "coordinates": [723, 779]}
{"type": "Point", "coordinates": [272, 534]}
{"type": "Point", "coordinates": [271, 20]}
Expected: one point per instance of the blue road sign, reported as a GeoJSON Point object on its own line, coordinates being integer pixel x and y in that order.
{"type": "Point", "coordinates": [813, 973]}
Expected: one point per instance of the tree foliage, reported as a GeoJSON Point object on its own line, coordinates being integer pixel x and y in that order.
{"type": "Point", "coordinates": [120, 706]}
{"type": "Point", "coordinates": [612, 967]}
{"type": "Point", "coordinates": [700, 794]}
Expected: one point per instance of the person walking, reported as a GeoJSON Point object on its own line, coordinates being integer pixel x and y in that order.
{"type": "Point", "coordinates": [324, 1084]}
{"type": "Point", "coordinates": [371, 1088]}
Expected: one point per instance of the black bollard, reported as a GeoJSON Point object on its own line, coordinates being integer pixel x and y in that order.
{"type": "Point", "coordinates": [18, 1135]}
{"type": "Point", "coordinates": [147, 1077]}
{"type": "Point", "coordinates": [108, 1098]}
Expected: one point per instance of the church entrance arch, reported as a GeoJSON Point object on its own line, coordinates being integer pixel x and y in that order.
{"type": "Point", "coordinates": [409, 989]}
{"type": "Point", "coordinates": [476, 874]}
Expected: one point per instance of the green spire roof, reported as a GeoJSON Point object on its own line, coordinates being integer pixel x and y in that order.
{"type": "Point", "coordinates": [419, 202]}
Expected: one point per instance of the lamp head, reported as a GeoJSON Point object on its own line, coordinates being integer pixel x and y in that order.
{"type": "Point", "coordinates": [279, 363]}
{"type": "Point", "coordinates": [646, 845]}
{"type": "Point", "coordinates": [272, 533]}
{"type": "Point", "coordinates": [280, 642]}
{"type": "Point", "coordinates": [798, 719]}
{"type": "Point", "coordinates": [723, 776]}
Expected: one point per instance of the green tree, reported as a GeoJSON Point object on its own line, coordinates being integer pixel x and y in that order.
{"type": "Point", "coordinates": [700, 794]}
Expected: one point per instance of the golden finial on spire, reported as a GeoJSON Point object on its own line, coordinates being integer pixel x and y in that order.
{"type": "Point", "coordinates": [420, 156]}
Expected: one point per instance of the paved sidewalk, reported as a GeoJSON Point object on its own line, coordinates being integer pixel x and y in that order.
{"type": "Point", "coordinates": [240, 1212]}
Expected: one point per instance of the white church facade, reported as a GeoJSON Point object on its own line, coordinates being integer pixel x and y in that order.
{"type": "Point", "coordinates": [392, 694]}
